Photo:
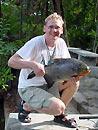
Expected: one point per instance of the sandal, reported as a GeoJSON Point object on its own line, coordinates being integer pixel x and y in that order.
{"type": "Point", "coordinates": [71, 123]}
{"type": "Point", "coordinates": [23, 114]}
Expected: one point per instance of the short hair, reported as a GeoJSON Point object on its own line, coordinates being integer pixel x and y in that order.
{"type": "Point", "coordinates": [54, 16]}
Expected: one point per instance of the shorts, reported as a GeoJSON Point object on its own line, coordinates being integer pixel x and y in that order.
{"type": "Point", "coordinates": [39, 96]}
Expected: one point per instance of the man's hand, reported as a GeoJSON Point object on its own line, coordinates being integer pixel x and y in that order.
{"type": "Point", "coordinates": [72, 82]}
{"type": "Point", "coordinates": [39, 69]}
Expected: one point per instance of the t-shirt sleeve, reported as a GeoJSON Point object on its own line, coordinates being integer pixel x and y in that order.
{"type": "Point", "coordinates": [27, 50]}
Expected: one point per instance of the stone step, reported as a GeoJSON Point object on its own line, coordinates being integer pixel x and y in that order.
{"type": "Point", "coordinates": [45, 122]}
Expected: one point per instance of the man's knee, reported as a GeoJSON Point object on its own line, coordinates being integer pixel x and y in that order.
{"type": "Point", "coordinates": [57, 106]}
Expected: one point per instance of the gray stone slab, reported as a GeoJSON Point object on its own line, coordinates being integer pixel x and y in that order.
{"type": "Point", "coordinates": [83, 52]}
{"type": "Point", "coordinates": [45, 122]}
{"type": "Point", "coordinates": [86, 56]}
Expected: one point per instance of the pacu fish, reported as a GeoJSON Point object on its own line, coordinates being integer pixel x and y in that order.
{"type": "Point", "coordinates": [63, 69]}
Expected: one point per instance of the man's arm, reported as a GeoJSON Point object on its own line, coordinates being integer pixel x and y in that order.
{"type": "Point", "coordinates": [17, 62]}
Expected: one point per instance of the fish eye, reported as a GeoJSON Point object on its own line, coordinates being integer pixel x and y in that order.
{"type": "Point", "coordinates": [84, 68]}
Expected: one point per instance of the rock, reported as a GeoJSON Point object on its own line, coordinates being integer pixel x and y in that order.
{"type": "Point", "coordinates": [45, 122]}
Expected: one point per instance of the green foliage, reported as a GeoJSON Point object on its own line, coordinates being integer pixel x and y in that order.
{"type": "Point", "coordinates": [6, 49]}
{"type": "Point", "coordinates": [80, 19]}
{"type": "Point", "coordinates": [11, 24]}
{"type": "Point", "coordinates": [4, 71]}
{"type": "Point", "coordinates": [11, 14]}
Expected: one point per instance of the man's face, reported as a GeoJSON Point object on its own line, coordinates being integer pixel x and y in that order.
{"type": "Point", "coordinates": [53, 29]}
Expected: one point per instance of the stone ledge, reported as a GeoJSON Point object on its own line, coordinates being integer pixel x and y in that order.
{"type": "Point", "coordinates": [45, 122]}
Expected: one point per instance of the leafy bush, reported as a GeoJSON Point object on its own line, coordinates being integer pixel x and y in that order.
{"type": "Point", "coordinates": [6, 50]}
{"type": "Point", "coordinates": [80, 20]}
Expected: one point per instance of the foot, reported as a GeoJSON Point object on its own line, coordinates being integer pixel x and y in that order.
{"type": "Point", "coordinates": [24, 118]}
{"type": "Point", "coordinates": [66, 122]}
{"type": "Point", "coordinates": [23, 114]}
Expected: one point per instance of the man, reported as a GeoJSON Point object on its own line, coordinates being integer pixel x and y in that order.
{"type": "Point", "coordinates": [36, 53]}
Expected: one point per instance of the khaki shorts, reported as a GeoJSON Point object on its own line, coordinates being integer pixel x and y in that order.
{"type": "Point", "coordinates": [39, 97]}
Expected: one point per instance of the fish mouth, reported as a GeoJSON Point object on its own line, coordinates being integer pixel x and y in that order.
{"type": "Point", "coordinates": [84, 73]}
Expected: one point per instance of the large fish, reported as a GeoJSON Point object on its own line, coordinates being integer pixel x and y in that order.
{"type": "Point", "coordinates": [63, 69]}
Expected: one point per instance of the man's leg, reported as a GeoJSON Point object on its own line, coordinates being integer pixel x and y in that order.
{"type": "Point", "coordinates": [56, 107]}
{"type": "Point", "coordinates": [67, 90]}
{"type": "Point", "coordinates": [41, 101]}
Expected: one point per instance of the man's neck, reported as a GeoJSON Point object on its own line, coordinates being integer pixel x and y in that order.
{"type": "Point", "coordinates": [49, 43]}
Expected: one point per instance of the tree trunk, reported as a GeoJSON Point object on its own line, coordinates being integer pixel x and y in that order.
{"type": "Point", "coordinates": [47, 8]}
{"type": "Point", "coordinates": [58, 7]}
{"type": "Point", "coordinates": [95, 46]}
{"type": "Point", "coordinates": [21, 17]}
{"type": "Point", "coordinates": [0, 10]}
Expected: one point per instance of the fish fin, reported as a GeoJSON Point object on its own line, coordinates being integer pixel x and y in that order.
{"type": "Point", "coordinates": [58, 58]}
{"type": "Point", "coordinates": [31, 75]}
{"type": "Point", "coordinates": [49, 81]}
{"type": "Point", "coordinates": [64, 82]}
{"type": "Point", "coordinates": [55, 60]}
{"type": "Point", "coordinates": [74, 76]}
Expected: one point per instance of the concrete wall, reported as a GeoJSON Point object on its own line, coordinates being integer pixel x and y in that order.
{"type": "Point", "coordinates": [90, 80]}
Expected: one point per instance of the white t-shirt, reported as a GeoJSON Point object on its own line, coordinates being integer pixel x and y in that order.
{"type": "Point", "coordinates": [35, 50]}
